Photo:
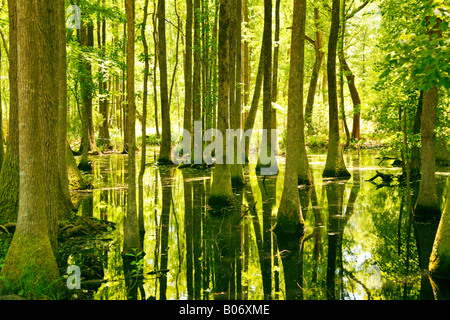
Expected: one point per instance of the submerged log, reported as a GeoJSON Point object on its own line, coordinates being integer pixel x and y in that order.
{"type": "Point", "coordinates": [386, 177]}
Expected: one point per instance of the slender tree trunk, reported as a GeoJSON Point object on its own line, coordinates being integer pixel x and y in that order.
{"type": "Point", "coordinates": [251, 116]}
{"type": "Point", "coordinates": [289, 217]}
{"type": "Point", "coordinates": [155, 92]}
{"type": "Point", "coordinates": [103, 134]}
{"type": "Point", "coordinates": [87, 87]}
{"type": "Point", "coordinates": [166, 138]}
{"type": "Point", "coordinates": [315, 73]}
{"type": "Point", "coordinates": [237, 175]}
{"type": "Point", "coordinates": [62, 114]}
{"type": "Point", "coordinates": [30, 258]}
{"type": "Point", "coordinates": [144, 119]}
{"type": "Point", "coordinates": [355, 99]}
{"type": "Point", "coordinates": [221, 192]}
{"type": "Point", "coordinates": [9, 174]}
{"type": "Point", "coordinates": [335, 165]}
{"type": "Point", "coordinates": [131, 235]}
{"type": "Point", "coordinates": [267, 159]}
{"type": "Point", "coordinates": [187, 118]}
{"type": "Point", "coordinates": [341, 75]}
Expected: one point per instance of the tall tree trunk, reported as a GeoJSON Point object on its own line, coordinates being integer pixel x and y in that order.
{"type": "Point", "coordinates": [144, 119]}
{"type": "Point", "coordinates": [155, 92]}
{"type": "Point", "coordinates": [103, 134]}
{"type": "Point", "coordinates": [87, 87]}
{"type": "Point", "coordinates": [131, 235]}
{"type": "Point", "coordinates": [335, 165]}
{"type": "Point", "coordinates": [251, 116]}
{"type": "Point", "coordinates": [49, 112]}
{"type": "Point", "coordinates": [289, 217]}
{"type": "Point", "coordinates": [315, 73]}
{"type": "Point", "coordinates": [166, 138]}
{"type": "Point", "coordinates": [9, 174]}
{"type": "Point", "coordinates": [31, 245]}
{"type": "Point", "coordinates": [341, 75]}
{"type": "Point", "coordinates": [268, 159]}
{"type": "Point", "coordinates": [62, 114]}
{"type": "Point", "coordinates": [187, 117]}
{"type": "Point", "coordinates": [221, 192]}
{"type": "Point", "coordinates": [196, 82]}
{"type": "Point", "coordinates": [237, 175]}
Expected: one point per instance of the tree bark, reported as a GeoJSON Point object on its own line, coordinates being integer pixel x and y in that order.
{"type": "Point", "coordinates": [30, 258]}
{"type": "Point", "coordinates": [237, 175]}
{"type": "Point", "coordinates": [131, 227]}
{"type": "Point", "coordinates": [144, 119]}
{"type": "Point", "coordinates": [427, 204]}
{"type": "Point", "coordinates": [187, 118]}
{"type": "Point", "coordinates": [9, 174]}
{"type": "Point", "coordinates": [440, 255]}
{"type": "Point", "coordinates": [356, 134]}
{"type": "Point", "coordinates": [335, 166]}
{"type": "Point", "coordinates": [315, 73]}
{"type": "Point", "coordinates": [221, 192]}
{"type": "Point", "coordinates": [166, 138]}
{"type": "Point", "coordinates": [289, 218]}
{"type": "Point", "coordinates": [266, 49]}
{"type": "Point", "coordinates": [103, 134]}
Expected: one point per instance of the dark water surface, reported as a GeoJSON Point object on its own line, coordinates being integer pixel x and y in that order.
{"type": "Point", "coordinates": [360, 241]}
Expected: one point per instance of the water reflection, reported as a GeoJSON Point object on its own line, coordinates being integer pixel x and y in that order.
{"type": "Point", "coordinates": [360, 242]}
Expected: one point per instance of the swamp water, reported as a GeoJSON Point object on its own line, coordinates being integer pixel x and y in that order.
{"type": "Point", "coordinates": [360, 242]}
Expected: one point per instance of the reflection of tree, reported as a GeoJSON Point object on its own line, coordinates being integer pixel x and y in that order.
{"type": "Point", "coordinates": [290, 250]}
{"type": "Point", "coordinates": [225, 230]}
{"type": "Point", "coordinates": [166, 174]}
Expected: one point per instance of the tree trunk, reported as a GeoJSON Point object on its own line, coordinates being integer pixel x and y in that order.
{"type": "Point", "coordinates": [237, 175]}
{"type": "Point", "coordinates": [49, 111]}
{"type": "Point", "coordinates": [187, 118]}
{"type": "Point", "coordinates": [250, 120]}
{"type": "Point", "coordinates": [166, 138]}
{"type": "Point", "coordinates": [2, 150]}
{"type": "Point", "coordinates": [87, 87]}
{"type": "Point", "coordinates": [335, 165]}
{"type": "Point", "coordinates": [267, 157]}
{"type": "Point", "coordinates": [355, 99]}
{"type": "Point", "coordinates": [289, 218]}
{"type": "Point", "coordinates": [62, 114]}
{"type": "Point", "coordinates": [144, 119]}
{"type": "Point", "coordinates": [221, 192]}
{"type": "Point", "coordinates": [103, 134]}
{"type": "Point", "coordinates": [440, 255]}
{"type": "Point", "coordinates": [427, 204]}
{"type": "Point", "coordinates": [315, 73]}
{"type": "Point", "coordinates": [131, 234]}
{"type": "Point", "coordinates": [30, 258]}
{"type": "Point", "coordinates": [9, 174]}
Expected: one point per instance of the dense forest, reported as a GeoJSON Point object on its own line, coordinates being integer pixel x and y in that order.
{"type": "Point", "coordinates": [224, 149]}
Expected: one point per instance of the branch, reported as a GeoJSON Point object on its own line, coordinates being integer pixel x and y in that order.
{"type": "Point", "coordinates": [356, 10]}
{"type": "Point", "coordinates": [310, 40]}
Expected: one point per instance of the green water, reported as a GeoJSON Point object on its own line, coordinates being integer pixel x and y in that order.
{"type": "Point", "coordinates": [360, 242]}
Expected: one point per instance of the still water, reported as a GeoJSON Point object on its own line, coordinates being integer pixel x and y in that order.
{"type": "Point", "coordinates": [360, 242]}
